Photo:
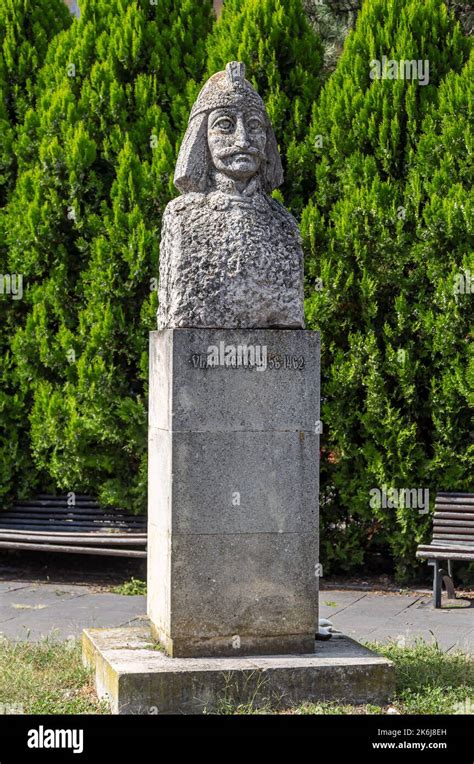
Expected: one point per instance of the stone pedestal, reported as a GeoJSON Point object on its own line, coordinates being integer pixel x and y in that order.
{"type": "Point", "coordinates": [135, 678]}
{"type": "Point", "coordinates": [233, 491]}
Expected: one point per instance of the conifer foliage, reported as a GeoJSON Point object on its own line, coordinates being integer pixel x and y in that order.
{"type": "Point", "coordinates": [377, 164]}
{"type": "Point", "coordinates": [25, 31]}
{"type": "Point", "coordinates": [377, 290]}
{"type": "Point", "coordinates": [284, 59]}
{"type": "Point", "coordinates": [84, 225]}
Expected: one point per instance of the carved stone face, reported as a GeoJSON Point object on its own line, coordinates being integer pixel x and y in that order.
{"type": "Point", "coordinates": [237, 141]}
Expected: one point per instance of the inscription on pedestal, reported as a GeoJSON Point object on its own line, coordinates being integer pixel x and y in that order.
{"type": "Point", "coordinates": [231, 357]}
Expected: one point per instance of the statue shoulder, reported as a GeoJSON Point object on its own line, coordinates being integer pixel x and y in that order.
{"type": "Point", "coordinates": [280, 211]}
{"type": "Point", "coordinates": [184, 202]}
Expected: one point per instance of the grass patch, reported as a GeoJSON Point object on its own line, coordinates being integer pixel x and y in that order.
{"type": "Point", "coordinates": [239, 696]}
{"type": "Point", "coordinates": [430, 681]}
{"type": "Point", "coordinates": [130, 588]}
{"type": "Point", "coordinates": [46, 678]}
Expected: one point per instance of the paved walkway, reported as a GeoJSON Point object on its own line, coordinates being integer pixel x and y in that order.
{"type": "Point", "coordinates": [380, 617]}
{"type": "Point", "coordinates": [34, 610]}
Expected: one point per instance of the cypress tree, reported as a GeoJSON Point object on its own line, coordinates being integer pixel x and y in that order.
{"type": "Point", "coordinates": [358, 228]}
{"type": "Point", "coordinates": [85, 226]}
{"type": "Point", "coordinates": [284, 59]}
{"type": "Point", "coordinates": [438, 194]}
{"type": "Point", "coordinates": [25, 32]}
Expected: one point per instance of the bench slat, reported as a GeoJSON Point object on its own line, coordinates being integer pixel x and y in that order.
{"type": "Point", "coordinates": [65, 509]}
{"type": "Point", "coordinates": [448, 544]}
{"type": "Point", "coordinates": [455, 494]}
{"type": "Point", "coordinates": [80, 540]}
{"type": "Point", "coordinates": [464, 501]}
{"type": "Point", "coordinates": [52, 496]}
{"type": "Point", "coordinates": [454, 516]}
{"type": "Point", "coordinates": [69, 519]}
{"type": "Point", "coordinates": [73, 549]}
{"type": "Point", "coordinates": [439, 508]}
{"type": "Point", "coordinates": [108, 533]}
{"type": "Point", "coordinates": [454, 536]}
{"type": "Point", "coordinates": [70, 516]}
{"type": "Point", "coordinates": [47, 503]}
{"type": "Point", "coordinates": [50, 511]}
{"type": "Point", "coordinates": [456, 509]}
{"type": "Point", "coordinates": [67, 526]}
{"type": "Point", "coordinates": [448, 533]}
{"type": "Point", "coordinates": [443, 554]}
{"type": "Point", "coordinates": [448, 529]}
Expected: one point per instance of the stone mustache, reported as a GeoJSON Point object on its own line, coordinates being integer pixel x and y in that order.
{"type": "Point", "coordinates": [230, 255]}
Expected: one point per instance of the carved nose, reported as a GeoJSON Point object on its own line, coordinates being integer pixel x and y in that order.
{"type": "Point", "coordinates": [241, 138]}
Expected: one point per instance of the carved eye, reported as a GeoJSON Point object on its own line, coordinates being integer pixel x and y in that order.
{"type": "Point", "coordinates": [224, 123]}
{"type": "Point", "coordinates": [254, 123]}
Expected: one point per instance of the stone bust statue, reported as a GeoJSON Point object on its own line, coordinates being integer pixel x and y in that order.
{"type": "Point", "coordinates": [230, 255]}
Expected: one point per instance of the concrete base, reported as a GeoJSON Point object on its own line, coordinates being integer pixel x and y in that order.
{"type": "Point", "coordinates": [136, 678]}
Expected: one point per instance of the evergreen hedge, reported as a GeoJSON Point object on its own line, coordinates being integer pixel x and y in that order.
{"type": "Point", "coordinates": [83, 228]}
{"type": "Point", "coordinates": [25, 32]}
{"type": "Point", "coordinates": [384, 240]}
{"type": "Point", "coordinates": [92, 113]}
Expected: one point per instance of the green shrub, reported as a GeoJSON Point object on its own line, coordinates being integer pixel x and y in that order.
{"type": "Point", "coordinates": [385, 232]}
{"type": "Point", "coordinates": [84, 227]}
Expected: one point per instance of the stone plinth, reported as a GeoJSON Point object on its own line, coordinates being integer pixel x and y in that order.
{"type": "Point", "coordinates": [135, 678]}
{"type": "Point", "coordinates": [233, 491]}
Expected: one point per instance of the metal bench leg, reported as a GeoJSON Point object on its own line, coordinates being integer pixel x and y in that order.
{"type": "Point", "coordinates": [436, 583]}
{"type": "Point", "coordinates": [448, 581]}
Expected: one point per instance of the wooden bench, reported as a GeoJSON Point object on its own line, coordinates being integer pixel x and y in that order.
{"type": "Point", "coordinates": [453, 539]}
{"type": "Point", "coordinates": [50, 524]}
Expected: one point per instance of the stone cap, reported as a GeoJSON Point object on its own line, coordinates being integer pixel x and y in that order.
{"type": "Point", "coordinates": [228, 88]}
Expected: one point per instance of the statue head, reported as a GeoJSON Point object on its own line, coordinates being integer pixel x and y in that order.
{"type": "Point", "coordinates": [229, 132]}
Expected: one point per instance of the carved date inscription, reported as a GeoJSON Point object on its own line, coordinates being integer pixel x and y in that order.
{"type": "Point", "coordinates": [258, 361]}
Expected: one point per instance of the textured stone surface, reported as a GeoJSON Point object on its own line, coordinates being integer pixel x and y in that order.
{"type": "Point", "coordinates": [135, 678]}
{"type": "Point", "coordinates": [259, 589]}
{"type": "Point", "coordinates": [233, 492]}
{"type": "Point", "coordinates": [230, 255]}
{"type": "Point", "coordinates": [272, 498]}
